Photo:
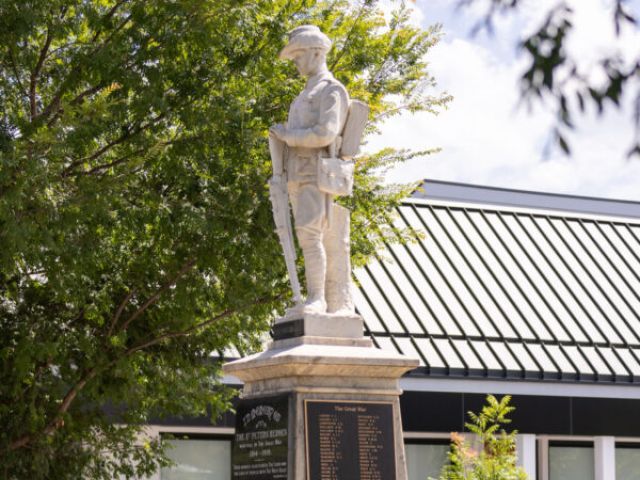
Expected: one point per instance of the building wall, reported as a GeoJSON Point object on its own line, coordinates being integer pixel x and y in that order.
{"type": "Point", "coordinates": [205, 453]}
{"type": "Point", "coordinates": [537, 414]}
{"type": "Point", "coordinates": [560, 438]}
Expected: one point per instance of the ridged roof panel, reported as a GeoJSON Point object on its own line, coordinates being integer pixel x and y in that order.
{"type": "Point", "coordinates": [509, 293]}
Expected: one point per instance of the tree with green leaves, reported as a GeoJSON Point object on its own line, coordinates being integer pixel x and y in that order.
{"type": "Point", "coordinates": [136, 230]}
{"type": "Point", "coordinates": [555, 79]}
{"type": "Point", "coordinates": [492, 454]}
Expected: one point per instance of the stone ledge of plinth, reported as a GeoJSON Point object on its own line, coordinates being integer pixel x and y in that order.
{"type": "Point", "coordinates": [319, 325]}
{"type": "Point", "coordinates": [365, 342]}
{"type": "Point", "coordinates": [323, 385]}
{"type": "Point", "coordinates": [324, 360]}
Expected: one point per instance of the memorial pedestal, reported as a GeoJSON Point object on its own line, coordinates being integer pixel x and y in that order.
{"type": "Point", "coordinates": [341, 399]}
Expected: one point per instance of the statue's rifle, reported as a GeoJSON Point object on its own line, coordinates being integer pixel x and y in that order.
{"type": "Point", "coordinates": [282, 213]}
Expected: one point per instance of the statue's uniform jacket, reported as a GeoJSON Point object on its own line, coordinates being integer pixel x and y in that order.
{"type": "Point", "coordinates": [316, 118]}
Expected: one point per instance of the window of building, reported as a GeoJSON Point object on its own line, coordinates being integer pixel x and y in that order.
{"type": "Point", "coordinates": [425, 459]}
{"type": "Point", "coordinates": [571, 461]}
{"type": "Point", "coordinates": [627, 461]}
{"type": "Point", "coordinates": [198, 459]}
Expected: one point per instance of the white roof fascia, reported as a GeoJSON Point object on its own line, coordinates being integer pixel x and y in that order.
{"type": "Point", "coordinates": [484, 194]}
{"type": "Point", "coordinates": [550, 212]}
{"type": "Point", "coordinates": [505, 387]}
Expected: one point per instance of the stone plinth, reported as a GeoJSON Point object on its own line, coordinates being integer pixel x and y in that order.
{"type": "Point", "coordinates": [319, 325]}
{"type": "Point", "coordinates": [339, 371]}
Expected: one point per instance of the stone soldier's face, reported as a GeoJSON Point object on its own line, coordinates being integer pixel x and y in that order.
{"type": "Point", "coordinates": [308, 61]}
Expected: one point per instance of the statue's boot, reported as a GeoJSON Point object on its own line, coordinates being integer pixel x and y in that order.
{"type": "Point", "coordinates": [338, 277]}
{"type": "Point", "coordinates": [315, 264]}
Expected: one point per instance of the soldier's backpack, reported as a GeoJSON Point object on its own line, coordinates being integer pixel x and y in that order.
{"type": "Point", "coordinates": [335, 173]}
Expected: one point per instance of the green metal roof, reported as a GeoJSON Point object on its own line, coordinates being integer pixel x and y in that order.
{"type": "Point", "coordinates": [509, 292]}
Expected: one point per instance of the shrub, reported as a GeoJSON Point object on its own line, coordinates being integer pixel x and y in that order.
{"type": "Point", "coordinates": [492, 453]}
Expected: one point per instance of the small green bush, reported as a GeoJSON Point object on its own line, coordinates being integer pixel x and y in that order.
{"type": "Point", "coordinates": [492, 454]}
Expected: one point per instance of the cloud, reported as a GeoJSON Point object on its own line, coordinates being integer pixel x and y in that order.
{"type": "Point", "coordinates": [593, 36]}
{"type": "Point", "coordinates": [487, 139]}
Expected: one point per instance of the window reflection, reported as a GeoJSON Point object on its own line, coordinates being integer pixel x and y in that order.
{"type": "Point", "coordinates": [627, 462]}
{"type": "Point", "coordinates": [425, 460]}
{"type": "Point", "coordinates": [571, 462]}
{"type": "Point", "coordinates": [198, 459]}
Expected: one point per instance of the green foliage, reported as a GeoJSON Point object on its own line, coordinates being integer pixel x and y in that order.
{"type": "Point", "coordinates": [554, 78]}
{"type": "Point", "coordinates": [136, 231]}
{"type": "Point", "coordinates": [492, 455]}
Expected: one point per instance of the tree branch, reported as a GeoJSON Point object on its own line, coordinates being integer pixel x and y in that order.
{"type": "Point", "coordinates": [57, 421]}
{"type": "Point", "coordinates": [54, 105]}
{"type": "Point", "coordinates": [35, 73]}
{"type": "Point", "coordinates": [347, 40]}
{"type": "Point", "coordinates": [89, 91]}
{"type": "Point", "coordinates": [122, 138]}
{"type": "Point", "coordinates": [107, 16]}
{"type": "Point", "coordinates": [199, 326]}
{"type": "Point", "coordinates": [14, 67]}
{"type": "Point", "coordinates": [113, 34]}
{"type": "Point", "coordinates": [116, 162]}
{"type": "Point", "coordinates": [57, 98]}
{"type": "Point", "coordinates": [186, 267]}
{"type": "Point", "coordinates": [126, 157]}
{"type": "Point", "coordinates": [119, 310]}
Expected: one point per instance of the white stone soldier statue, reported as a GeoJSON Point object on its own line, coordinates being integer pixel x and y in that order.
{"type": "Point", "coordinates": [313, 134]}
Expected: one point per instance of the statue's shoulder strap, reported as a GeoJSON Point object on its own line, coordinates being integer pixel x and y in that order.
{"type": "Point", "coordinates": [331, 83]}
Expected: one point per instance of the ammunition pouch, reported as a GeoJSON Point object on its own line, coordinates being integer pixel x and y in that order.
{"type": "Point", "coordinates": [335, 176]}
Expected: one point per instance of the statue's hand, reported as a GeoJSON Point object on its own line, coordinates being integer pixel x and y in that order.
{"type": "Point", "coordinates": [279, 131]}
{"type": "Point", "coordinates": [277, 180]}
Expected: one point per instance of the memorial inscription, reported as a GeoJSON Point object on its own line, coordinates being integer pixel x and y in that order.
{"type": "Point", "coordinates": [260, 444]}
{"type": "Point", "coordinates": [352, 440]}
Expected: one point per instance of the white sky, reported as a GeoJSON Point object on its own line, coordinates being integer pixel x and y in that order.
{"type": "Point", "coordinates": [488, 137]}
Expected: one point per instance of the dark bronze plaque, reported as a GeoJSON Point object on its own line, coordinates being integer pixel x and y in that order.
{"type": "Point", "coordinates": [349, 440]}
{"type": "Point", "coordinates": [260, 444]}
